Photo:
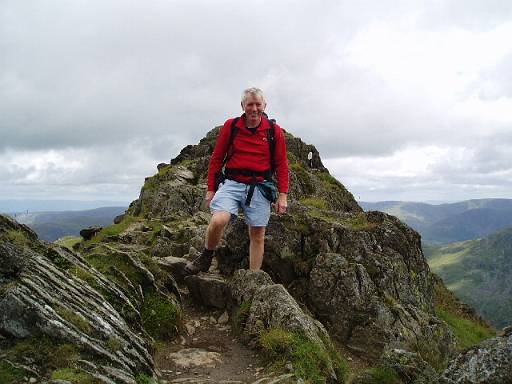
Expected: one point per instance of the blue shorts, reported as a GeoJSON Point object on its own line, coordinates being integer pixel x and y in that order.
{"type": "Point", "coordinates": [230, 197]}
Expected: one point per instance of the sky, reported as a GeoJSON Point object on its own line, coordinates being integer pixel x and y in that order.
{"type": "Point", "coordinates": [405, 100]}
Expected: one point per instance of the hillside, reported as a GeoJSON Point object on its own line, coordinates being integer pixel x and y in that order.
{"type": "Point", "coordinates": [479, 272]}
{"type": "Point", "coordinates": [51, 226]}
{"type": "Point", "coordinates": [446, 223]}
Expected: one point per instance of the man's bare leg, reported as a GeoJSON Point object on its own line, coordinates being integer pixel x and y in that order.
{"type": "Point", "coordinates": [214, 233]}
{"type": "Point", "coordinates": [256, 248]}
{"type": "Point", "coordinates": [216, 228]}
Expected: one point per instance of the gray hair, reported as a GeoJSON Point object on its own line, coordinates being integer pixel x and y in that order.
{"type": "Point", "coordinates": [253, 92]}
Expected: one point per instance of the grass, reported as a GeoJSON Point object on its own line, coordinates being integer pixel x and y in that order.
{"type": "Point", "coordinates": [310, 361]}
{"type": "Point", "coordinates": [44, 351]}
{"type": "Point", "coordinates": [467, 332]}
{"type": "Point", "coordinates": [74, 318]}
{"type": "Point", "coordinates": [68, 241]}
{"type": "Point", "coordinates": [314, 202]}
{"type": "Point", "coordinates": [9, 374]}
{"type": "Point", "coordinates": [142, 378]}
{"type": "Point", "coordinates": [303, 177]}
{"type": "Point", "coordinates": [328, 179]}
{"type": "Point", "coordinates": [384, 375]}
{"type": "Point", "coordinates": [16, 237]}
{"type": "Point", "coordinates": [75, 376]}
{"type": "Point", "coordinates": [240, 316]}
{"type": "Point", "coordinates": [114, 343]}
{"type": "Point", "coordinates": [160, 317]}
{"type": "Point", "coordinates": [360, 222]}
{"type": "Point", "coordinates": [113, 230]}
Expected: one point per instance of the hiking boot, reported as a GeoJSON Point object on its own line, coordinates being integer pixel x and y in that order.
{"type": "Point", "coordinates": [200, 264]}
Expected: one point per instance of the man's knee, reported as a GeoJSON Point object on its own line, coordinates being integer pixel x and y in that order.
{"type": "Point", "coordinates": [257, 234]}
{"type": "Point", "coordinates": [220, 219]}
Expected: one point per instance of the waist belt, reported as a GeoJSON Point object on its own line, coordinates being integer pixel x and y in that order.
{"type": "Point", "coordinates": [267, 174]}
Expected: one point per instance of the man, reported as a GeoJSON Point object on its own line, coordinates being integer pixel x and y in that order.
{"type": "Point", "coordinates": [248, 161]}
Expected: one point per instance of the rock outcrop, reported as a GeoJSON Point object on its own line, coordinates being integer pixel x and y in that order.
{"type": "Point", "coordinates": [331, 271]}
{"type": "Point", "coordinates": [52, 293]}
{"type": "Point", "coordinates": [362, 274]}
{"type": "Point", "coordinates": [488, 362]}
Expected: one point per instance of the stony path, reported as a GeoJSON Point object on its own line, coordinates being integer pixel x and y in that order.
{"type": "Point", "coordinates": [210, 353]}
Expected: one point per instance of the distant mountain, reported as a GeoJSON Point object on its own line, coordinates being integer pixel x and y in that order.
{"type": "Point", "coordinates": [479, 272]}
{"type": "Point", "coordinates": [50, 226]}
{"type": "Point", "coordinates": [11, 206]}
{"type": "Point", "coordinates": [445, 223]}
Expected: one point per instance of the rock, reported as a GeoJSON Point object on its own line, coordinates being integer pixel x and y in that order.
{"type": "Point", "coordinates": [161, 166]}
{"type": "Point", "coordinates": [195, 357]}
{"type": "Point", "coordinates": [119, 218]}
{"type": "Point", "coordinates": [42, 297]}
{"type": "Point", "coordinates": [224, 318]}
{"type": "Point", "coordinates": [488, 362]}
{"type": "Point", "coordinates": [409, 367]}
{"type": "Point", "coordinates": [209, 290]}
{"type": "Point", "coordinates": [245, 283]}
{"type": "Point", "coordinates": [89, 232]}
{"type": "Point", "coordinates": [272, 307]}
{"type": "Point", "coordinates": [174, 265]}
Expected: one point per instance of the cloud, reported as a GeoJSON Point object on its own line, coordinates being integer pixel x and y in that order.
{"type": "Point", "coordinates": [363, 81]}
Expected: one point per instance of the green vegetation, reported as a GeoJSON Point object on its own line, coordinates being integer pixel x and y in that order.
{"type": "Point", "coordinates": [43, 351]}
{"type": "Point", "coordinates": [384, 375]}
{"type": "Point", "coordinates": [360, 222]}
{"type": "Point", "coordinates": [9, 374]}
{"type": "Point", "coordinates": [74, 318]}
{"type": "Point", "coordinates": [17, 237]}
{"type": "Point", "coordinates": [314, 202]}
{"type": "Point", "coordinates": [240, 316]}
{"type": "Point", "coordinates": [479, 272]}
{"type": "Point", "coordinates": [160, 317]}
{"type": "Point", "coordinates": [83, 275]}
{"type": "Point", "coordinates": [68, 241]}
{"type": "Point", "coordinates": [59, 260]}
{"type": "Point", "coordinates": [303, 178]}
{"type": "Point", "coordinates": [329, 180]}
{"type": "Point", "coordinates": [466, 331]}
{"type": "Point", "coordinates": [113, 230]}
{"type": "Point", "coordinates": [142, 378]}
{"type": "Point", "coordinates": [114, 343]}
{"type": "Point", "coordinates": [75, 376]}
{"type": "Point", "coordinates": [310, 361]}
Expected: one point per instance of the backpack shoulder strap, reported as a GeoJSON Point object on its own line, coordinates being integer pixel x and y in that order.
{"type": "Point", "coordinates": [232, 134]}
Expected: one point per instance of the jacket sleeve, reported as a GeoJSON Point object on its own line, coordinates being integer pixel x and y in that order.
{"type": "Point", "coordinates": [281, 161]}
{"type": "Point", "coordinates": [221, 147]}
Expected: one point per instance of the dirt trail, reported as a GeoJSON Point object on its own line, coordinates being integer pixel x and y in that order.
{"type": "Point", "coordinates": [210, 353]}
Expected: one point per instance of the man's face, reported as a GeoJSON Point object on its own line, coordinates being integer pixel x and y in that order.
{"type": "Point", "coordinates": [253, 108]}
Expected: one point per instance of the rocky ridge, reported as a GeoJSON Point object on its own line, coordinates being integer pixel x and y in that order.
{"type": "Point", "coordinates": [334, 275]}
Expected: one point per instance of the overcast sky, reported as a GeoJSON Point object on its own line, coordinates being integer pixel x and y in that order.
{"type": "Point", "coordinates": [405, 100]}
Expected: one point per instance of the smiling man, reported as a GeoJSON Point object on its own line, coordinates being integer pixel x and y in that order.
{"type": "Point", "coordinates": [249, 150]}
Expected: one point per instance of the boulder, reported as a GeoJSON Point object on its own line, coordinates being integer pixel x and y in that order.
{"type": "Point", "coordinates": [209, 290]}
{"type": "Point", "coordinates": [488, 362]}
{"type": "Point", "coordinates": [273, 308]}
{"type": "Point", "coordinates": [89, 232]}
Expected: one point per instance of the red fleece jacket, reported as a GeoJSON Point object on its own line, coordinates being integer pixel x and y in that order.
{"type": "Point", "coordinates": [250, 151]}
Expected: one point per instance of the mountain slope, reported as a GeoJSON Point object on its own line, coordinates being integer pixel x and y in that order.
{"type": "Point", "coordinates": [479, 272]}
{"type": "Point", "coordinates": [445, 223]}
{"type": "Point", "coordinates": [50, 226]}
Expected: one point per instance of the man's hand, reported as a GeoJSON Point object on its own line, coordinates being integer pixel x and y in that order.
{"type": "Point", "coordinates": [208, 198]}
{"type": "Point", "coordinates": [282, 203]}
